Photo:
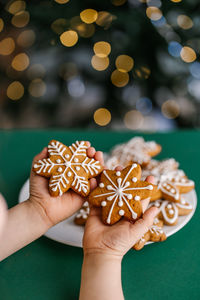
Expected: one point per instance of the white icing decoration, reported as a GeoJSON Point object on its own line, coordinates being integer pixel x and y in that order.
{"type": "Point", "coordinates": [118, 173]}
{"type": "Point", "coordinates": [103, 203]}
{"type": "Point", "coordinates": [171, 212]}
{"type": "Point", "coordinates": [134, 179]}
{"type": "Point", "coordinates": [169, 206]}
{"type": "Point", "coordinates": [77, 168]}
{"type": "Point", "coordinates": [58, 161]}
{"type": "Point", "coordinates": [109, 187]}
{"type": "Point", "coordinates": [163, 207]}
{"type": "Point", "coordinates": [69, 174]}
{"type": "Point", "coordinates": [76, 160]}
{"type": "Point", "coordinates": [137, 198]}
{"type": "Point", "coordinates": [129, 196]}
{"type": "Point", "coordinates": [59, 169]}
{"type": "Point", "coordinates": [67, 156]}
{"type": "Point", "coordinates": [101, 185]}
{"type": "Point", "coordinates": [84, 211]}
{"type": "Point", "coordinates": [121, 212]}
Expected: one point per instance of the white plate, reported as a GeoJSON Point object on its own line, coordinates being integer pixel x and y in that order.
{"type": "Point", "coordinates": [68, 233]}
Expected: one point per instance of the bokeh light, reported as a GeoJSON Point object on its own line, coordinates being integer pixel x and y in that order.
{"type": "Point", "coordinates": [100, 63]}
{"type": "Point", "coordinates": [155, 3]}
{"type": "Point", "coordinates": [124, 63]}
{"type": "Point", "coordinates": [20, 19]}
{"type": "Point", "coordinates": [37, 88]}
{"type": "Point", "coordinates": [118, 2]}
{"type": "Point", "coordinates": [104, 19]}
{"type": "Point", "coordinates": [195, 69]}
{"type": "Point", "coordinates": [170, 109]}
{"type": "Point", "coordinates": [7, 46]}
{"type": "Point", "coordinates": [36, 71]}
{"type": "Point", "coordinates": [1, 24]}
{"type": "Point", "coordinates": [154, 13]}
{"type": "Point", "coordinates": [187, 54]}
{"type": "Point", "coordinates": [102, 49]}
{"type": "Point", "coordinates": [176, 1]}
{"type": "Point", "coordinates": [102, 116]}
{"type": "Point", "coordinates": [119, 79]}
{"type": "Point", "coordinates": [15, 90]}
{"type": "Point", "coordinates": [142, 72]}
{"type": "Point", "coordinates": [13, 7]}
{"type": "Point", "coordinates": [89, 16]}
{"type": "Point", "coordinates": [20, 62]}
{"type": "Point", "coordinates": [76, 87]}
{"type": "Point", "coordinates": [59, 25]}
{"type": "Point", "coordinates": [174, 48]}
{"type": "Point", "coordinates": [61, 1]}
{"type": "Point", "coordinates": [144, 105]}
{"type": "Point", "coordinates": [83, 29]}
{"type": "Point", "coordinates": [133, 119]}
{"type": "Point", "coordinates": [184, 22]}
{"type": "Point", "coordinates": [26, 38]}
{"type": "Point", "coordinates": [69, 38]}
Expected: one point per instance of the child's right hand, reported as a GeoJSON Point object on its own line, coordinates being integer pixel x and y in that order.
{"type": "Point", "coordinates": [117, 239]}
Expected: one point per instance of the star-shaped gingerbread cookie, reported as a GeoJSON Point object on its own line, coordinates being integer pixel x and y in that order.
{"type": "Point", "coordinates": [68, 167]}
{"type": "Point", "coordinates": [119, 194]}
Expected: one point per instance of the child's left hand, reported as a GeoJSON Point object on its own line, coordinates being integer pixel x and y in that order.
{"type": "Point", "coordinates": [56, 209]}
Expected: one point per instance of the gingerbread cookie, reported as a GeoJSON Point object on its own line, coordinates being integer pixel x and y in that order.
{"type": "Point", "coordinates": [134, 151]}
{"type": "Point", "coordinates": [82, 215]}
{"type": "Point", "coordinates": [154, 234]}
{"type": "Point", "coordinates": [68, 167]}
{"type": "Point", "coordinates": [119, 194]}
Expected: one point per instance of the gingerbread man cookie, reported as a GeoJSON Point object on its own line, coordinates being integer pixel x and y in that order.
{"type": "Point", "coordinates": [119, 194]}
{"type": "Point", "coordinates": [68, 167]}
{"type": "Point", "coordinates": [154, 234]}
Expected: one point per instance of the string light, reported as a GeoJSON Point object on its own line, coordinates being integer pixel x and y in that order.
{"type": "Point", "coordinates": [133, 119]}
{"type": "Point", "coordinates": [59, 25]}
{"type": "Point", "coordinates": [26, 38]}
{"type": "Point", "coordinates": [153, 13]}
{"type": "Point", "coordinates": [89, 16]}
{"type": "Point", "coordinates": [7, 46]}
{"type": "Point", "coordinates": [142, 72]}
{"type": "Point", "coordinates": [61, 1]}
{"type": "Point", "coordinates": [187, 54]}
{"type": "Point", "coordinates": [104, 19]}
{"type": "Point", "coordinates": [100, 63]}
{"type": "Point", "coordinates": [37, 88]}
{"type": "Point", "coordinates": [15, 7]}
{"type": "Point", "coordinates": [83, 29]}
{"type": "Point", "coordinates": [184, 22]}
{"type": "Point", "coordinates": [15, 90]}
{"type": "Point", "coordinates": [176, 1]}
{"type": "Point", "coordinates": [119, 79]}
{"type": "Point", "coordinates": [1, 24]}
{"type": "Point", "coordinates": [20, 19]}
{"type": "Point", "coordinates": [170, 109]}
{"type": "Point", "coordinates": [69, 38]}
{"type": "Point", "coordinates": [118, 2]}
{"type": "Point", "coordinates": [102, 116]}
{"type": "Point", "coordinates": [124, 63]}
{"type": "Point", "coordinates": [102, 49]}
{"type": "Point", "coordinates": [20, 62]}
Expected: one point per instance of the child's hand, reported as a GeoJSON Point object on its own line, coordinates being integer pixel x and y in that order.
{"type": "Point", "coordinates": [3, 213]}
{"type": "Point", "coordinates": [117, 239]}
{"type": "Point", "coordinates": [56, 209]}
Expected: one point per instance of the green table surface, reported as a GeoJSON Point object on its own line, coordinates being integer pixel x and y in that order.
{"type": "Point", "coordinates": [46, 269]}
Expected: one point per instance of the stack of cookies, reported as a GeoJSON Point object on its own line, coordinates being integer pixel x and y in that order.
{"type": "Point", "coordinates": [117, 188]}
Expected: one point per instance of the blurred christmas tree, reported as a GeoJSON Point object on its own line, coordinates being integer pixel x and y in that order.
{"type": "Point", "coordinates": [119, 64]}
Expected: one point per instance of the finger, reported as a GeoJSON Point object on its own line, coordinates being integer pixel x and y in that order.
{"type": "Point", "coordinates": [145, 203]}
{"type": "Point", "coordinates": [119, 168]}
{"type": "Point", "coordinates": [141, 226]}
{"type": "Point", "coordinates": [150, 179]}
{"type": "Point", "coordinates": [95, 211]}
{"type": "Point", "coordinates": [99, 156]}
{"type": "Point", "coordinates": [91, 151]}
{"type": "Point", "coordinates": [93, 183]}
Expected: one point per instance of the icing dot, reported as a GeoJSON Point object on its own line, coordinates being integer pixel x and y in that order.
{"type": "Point", "coordinates": [161, 231]}
{"type": "Point", "coordinates": [58, 161]}
{"type": "Point", "coordinates": [127, 183]}
{"type": "Point", "coordinates": [172, 191]}
{"type": "Point", "coordinates": [67, 156]}
{"type": "Point", "coordinates": [36, 166]}
{"type": "Point", "coordinates": [137, 198]}
{"type": "Point", "coordinates": [121, 212]}
{"type": "Point", "coordinates": [183, 201]}
{"type": "Point", "coordinates": [156, 221]}
{"type": "Point", "coordinates": [103, 203]}
{"type": "Point", "coordinates": [120, 203]}
{"type": "Point", "coordinates": [118, 173]}
{"type": "Point", "coordinates": [76, 160]}
{"type": "Point", "coordinates": [60, 169]}
{"type": "Point", "coordinates": [134, 179]}
{"type": "Point", "coordinates": [157, 204]}
{"type": "Point", "coordinates": [109, 198]}
{"type": "Point", "coordinates": [134, 165]}
{"type": "Point", "coordinates": [164, 184]}
{"type": "Point", "coordinates": [129, 196]}
{"type": "Point", "coordinates": [78, 168]}
{"type": "Point", "coordinates": [54, 189]}
{"type": "Point", "coordinates": [69, 174]}
{"type": "Point", "coordinates": [168, 187]}
{"type": "Point", "coordinates": [171, 212]}
{"type": "Point", "coordinates": [150, 187]}
{"type": "Point", "coordinates": [109, 187]}
{"type": "Point", "coordinates": [169, 206]}
{"type": "Point", "coordinates": [183, 180]}
{"type": "Point", "coordinates": [101, 185]}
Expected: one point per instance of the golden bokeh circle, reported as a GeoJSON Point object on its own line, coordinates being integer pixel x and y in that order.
{"type": "Point", "coordinates": [20, 62]}
{"type": "Point", "coordinates": [36, 71]}
{"type": "Point", "coordinates": [142, 72]}
{"type": "Point", "coordinates": [7, 46]}
{"type": "Point", "coordinates": [184, 22]}
{"type": "Point", "coordinates": [100, 63]}
{"type": "Point", "coordinates": [20, 19]}
{"type": "Point", "coordinates": [59, 25]}
{"type": "Point", "coordinates": [69, 38]}
{"type": "Point", "coordinates": [15, 7]}
{"type": "Point", "coordinates": [133, 119]}
{"type": "Point", "coordinates": [119, 79]}
{"type": "Point", "coordinates": [15, 90]}
{"type": "Point", "coordinates": [118, 2]}
{"type": "Point", "coordinates": [153, 13]}
{"type": "Point", "coordinates": [83, 29]}
{"type": "Point", "coordinates": [176, 1]}
{"type": "Point", "coordinates": [124, 63]}
{"type": "Point", "coordinates": [102, 49]}
{"type": "Point", "coordinates": [102, 116]}
{"type": "Point", "coordinates": [1, 24]}
{"type": "Point", "coordinates": [104, 19]}
{"type": "Point", "coordinates": [170, 109]}
{"type": "Point", "coordinates": [61, 1]}
{"type": "Point", "coordinates": [37, 88]}
{"type": "Point", "coordinates": [187, 54]}
{"type": "Point", "coordinates": [89, 15]}
{"type": "Point", "coordinates": [26, 38]}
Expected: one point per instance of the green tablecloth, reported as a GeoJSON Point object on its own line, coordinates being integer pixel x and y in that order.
{"type": "Point", "coordinates": [49, 270]}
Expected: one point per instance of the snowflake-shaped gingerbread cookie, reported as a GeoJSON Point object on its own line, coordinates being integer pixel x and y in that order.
{"type": "Point", "coordinates": [68, 167]}
{"type": "Point", "coordinates": [119, 194]}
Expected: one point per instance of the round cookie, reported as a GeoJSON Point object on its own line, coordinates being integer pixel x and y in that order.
{"type": "Point", "coordinates": [119, 194]}
{"type": "Point", "coordinates": [68, 167]}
